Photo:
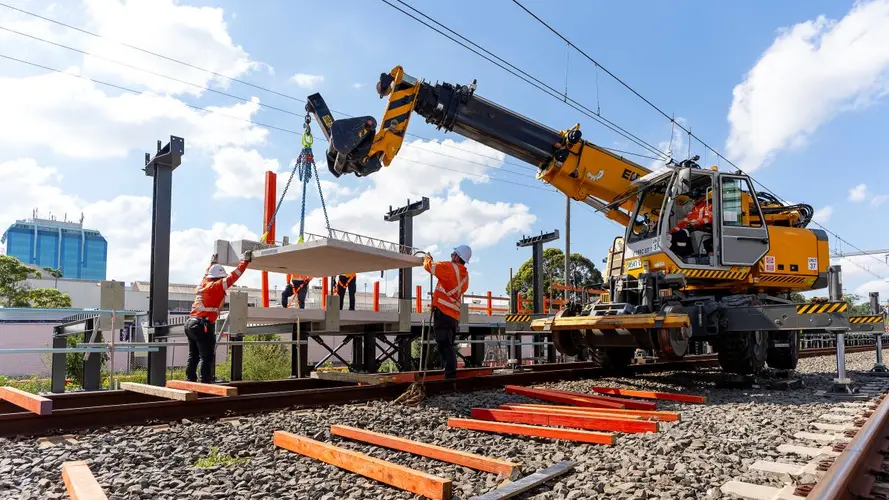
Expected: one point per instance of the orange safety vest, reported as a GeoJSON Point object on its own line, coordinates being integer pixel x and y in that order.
{"type": "Point", "coordinates": [453, 281]}
{"type": "Point", "coordinates": [210, 294]}
{"type": "Point", "coordinates": [699, 216]}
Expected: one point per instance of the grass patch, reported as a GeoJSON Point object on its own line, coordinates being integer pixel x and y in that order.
{"type": "Point", "coordinates": [215, 459]}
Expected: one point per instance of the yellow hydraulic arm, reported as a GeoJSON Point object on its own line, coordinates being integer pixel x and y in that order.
{"type": "Point", "coordinates": [580, 169]}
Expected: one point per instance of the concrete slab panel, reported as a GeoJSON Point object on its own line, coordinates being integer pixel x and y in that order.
{"type": "Point", "coordinates": [326, 257]}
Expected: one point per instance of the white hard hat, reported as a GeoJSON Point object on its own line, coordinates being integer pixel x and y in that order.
{"type": "Point", "coordinates": [464, 252]}
{"type": "Point", "coordinates": [216, 271]}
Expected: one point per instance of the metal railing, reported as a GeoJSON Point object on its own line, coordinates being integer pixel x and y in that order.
{"type": "Point", "coordinates": [336, 234]}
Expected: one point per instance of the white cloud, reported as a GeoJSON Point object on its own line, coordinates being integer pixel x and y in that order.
{"type": "Point", "coordinates": [307, 81]}
{"type": "Point", "coordinates": [125, 221]}
{"type": "Point", "coordinates": [197, 35]}
{"type": "Point", "coordinates": [357, 85]}
{"type": "Point", "coordinates": [240, 173]}
{"type": "Point", "coordinates": [878, 200]}
{"type": "Point", "coordinates": [454, 217]}
{"type": "Point", "coordinates": [822, 215]}
{"type": "Point", "coordinates": [812, 72]}
{"type": "Point", "coordinates": [858, 193]}
{"type": "Point", "coordinates": [75, 118]}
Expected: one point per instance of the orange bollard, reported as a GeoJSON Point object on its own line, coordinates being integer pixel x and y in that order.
{"type": "Point", "coordinates": [325, 285]}
{"type": "Point", "coordinates": [376, 296]}
{"type": "Point", "coordinates": [419, 299]}
{"type": "Point", "coordinates": [268, 211]}
{"type": "Point", "coordinates": [490, 304]}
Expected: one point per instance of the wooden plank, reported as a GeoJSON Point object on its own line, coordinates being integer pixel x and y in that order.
{"type": "Point", "coordinates": [466, 459]}
{"type": "Point", "coordinates": [664, 396]}
{"type": "Point", "coordinates": [579, 422]}
{"type": "Point", "coordinates": [663, 416]}
{"type": "Point", "coordinates": [80, 482]}
{"type": "Point", "coordinates": [396, 475]}
{"type": "Point", "coordinates": [31, 402]}
{"type": "Point", "coordinates": [214, 389]}
{"type": "Point", "coordinates": [628, 403]}
{"type": "Point", "coordinates": [558, 411]}
{"type": "Point", "coordinates": [533, 430]}
{"type": "Point", "coordinates": [555, 397]}
{"type": "Point", "coordinates": [528, 482]}
{"type": "Point", "coordinates": [161, 392]}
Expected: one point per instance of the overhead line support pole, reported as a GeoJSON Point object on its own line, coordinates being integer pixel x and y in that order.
{"type": "Point", "coordinates": [161, 169]}
{"type": "Point", "coordinates": [536, 244]}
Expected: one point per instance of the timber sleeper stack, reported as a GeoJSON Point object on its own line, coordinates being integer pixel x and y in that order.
{"type": "Point", "coordinates": [586, 418]}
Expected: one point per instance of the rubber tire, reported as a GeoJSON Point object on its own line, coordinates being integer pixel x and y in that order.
{"type": "Point", "coordinates": [782, 358]}
{"type": "Point", "coordinates": [614, 358]}
{"type": "Point", "coordinates": [743, 353]}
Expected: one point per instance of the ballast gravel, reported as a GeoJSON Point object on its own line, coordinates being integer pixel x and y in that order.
{"type": "Point", "coordinates": [712, 444]}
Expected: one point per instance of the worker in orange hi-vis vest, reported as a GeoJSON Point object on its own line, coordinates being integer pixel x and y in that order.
{"type": "Point", "coordinates": [346, 282]}
{"type": "Point", "coordinates": [447, 303]}
{"type": "Point", "coordinates": [201, 326]}
{"type": "Point", "coordinates": [299, 286]}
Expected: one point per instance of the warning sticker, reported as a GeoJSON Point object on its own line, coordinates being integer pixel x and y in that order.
{"type": "Point", "coordinates": [770, 263]}
{"type": "Point", "coordinates": [813, 263]}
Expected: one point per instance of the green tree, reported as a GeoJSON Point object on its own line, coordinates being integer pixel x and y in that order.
{"type": "Point", "coordinates": [862, 309]}
{"type": "Point", "coordinates": [584, 273]}
{"type": "Point", "coordinates": [14, 288]}
{"type": "Point", "coordinates": [798, 298]}
{"type": "Point", "coordinates": [48, 298]}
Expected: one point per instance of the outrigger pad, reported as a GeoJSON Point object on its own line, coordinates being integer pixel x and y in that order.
{"type": "Point", "coordinates": [323, 257]}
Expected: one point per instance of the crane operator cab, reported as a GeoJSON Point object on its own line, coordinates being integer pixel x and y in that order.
{"type": "Point", "coordinates": [697, 222]}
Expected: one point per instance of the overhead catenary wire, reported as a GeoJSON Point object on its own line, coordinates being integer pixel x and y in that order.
{"type": "Point", "coordinates": [253, 122]}
{"type": "Point", "coordinates": [672, 120]}
{"type": "Point", "coordinates": [523, 75]}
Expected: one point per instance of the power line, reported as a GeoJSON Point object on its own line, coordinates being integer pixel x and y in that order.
{"type": "Point", "coordinates": [670, 118]}
{"type": "Point", "coordinates": [252, 122]}
{"type": "Point", "coordinates": [523, 75]}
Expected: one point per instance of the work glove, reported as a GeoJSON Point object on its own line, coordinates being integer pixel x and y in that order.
{"type": "Point", "coordinates": [248, 255]}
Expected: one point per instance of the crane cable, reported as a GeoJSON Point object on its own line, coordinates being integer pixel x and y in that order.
{"type": "Point", "coordinates": [305, 165]}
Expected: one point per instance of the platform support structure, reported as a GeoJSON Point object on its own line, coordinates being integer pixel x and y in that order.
{"type": "Point", "coordinates": [842, 385]}
{"type": "Point", "coordinates": [875, 309]}
{"type": "Point", "coordinates": [536, 244]}
{"type": "Point", "coordinates": [405, 218]}
{"type": "Point", "coordinates": [161, 169]}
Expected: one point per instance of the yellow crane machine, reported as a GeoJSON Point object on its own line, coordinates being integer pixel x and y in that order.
{"type": "Point", "coordinates": [705, 257]}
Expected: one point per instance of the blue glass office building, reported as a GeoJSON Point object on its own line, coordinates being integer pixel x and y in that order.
{"type": "Point", "coordinates": [80, 253]}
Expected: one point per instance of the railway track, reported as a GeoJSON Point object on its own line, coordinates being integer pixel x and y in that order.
{"type": "Point", "coordinates": [86, 410]}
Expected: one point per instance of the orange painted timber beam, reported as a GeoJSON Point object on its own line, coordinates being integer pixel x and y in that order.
{"type": "Point", "coordinates": [606, 414]}
{"type": "Point", "coordinates": [532, 430]}
{"type": "Point", "coordinates": [665, 396]}
{"type": "Point", "coordinates": [396, 475]}
{"type": "Point", "coordinates": [593, 423]}
{"type": "Point", "coordinates": [663, 416]}
{"type": "Point", "coordinates": [214, 389]}
{"type": "Point", "coordinates": [555, 397]}
{"type": "Point", "coordinates": [471, 460]}
{"type": "Point", "coordinates": [628, 403]}
{"type": "Point", "coordinates": [31, 402]}
{"type": "Point", "coordinates": [80, 482]}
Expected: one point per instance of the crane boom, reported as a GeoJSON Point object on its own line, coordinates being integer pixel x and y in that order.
{"type": "Point", "coordinates": [580, 169]}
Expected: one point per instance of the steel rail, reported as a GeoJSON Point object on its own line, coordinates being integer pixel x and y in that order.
{"type": "Point", "coordinates": [87, 410]}
{"type": "Point", "coordinates": [853, 473]}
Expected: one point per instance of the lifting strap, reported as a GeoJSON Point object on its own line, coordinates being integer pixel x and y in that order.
{"type": "Point", "coordinates": [305, 165]}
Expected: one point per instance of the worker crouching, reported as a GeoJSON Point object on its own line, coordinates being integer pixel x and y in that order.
{"type": "Point", "coordinates": [447, 303]}
{"type": "Point", "coordinates": [201, 325]}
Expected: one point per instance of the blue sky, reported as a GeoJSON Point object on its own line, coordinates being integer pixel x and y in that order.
{"type": "Point", "coordinates": [806, 82]}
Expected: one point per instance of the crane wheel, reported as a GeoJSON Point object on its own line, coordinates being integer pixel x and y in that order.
{"type": "Point", "coordinates": [673, 343]}
{"type": "Point", "coordinates": [743, 353]}
{"type": "Point", "coordinates": [784, 358]}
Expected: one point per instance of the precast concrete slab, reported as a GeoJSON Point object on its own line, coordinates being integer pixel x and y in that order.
{"type": "Point", "coordinates": [318, 257]}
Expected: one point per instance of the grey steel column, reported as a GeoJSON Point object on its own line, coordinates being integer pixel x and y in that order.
{"type": "Point", "coordinates": [842, 386]}
{"type": "Point", "coordinates": [161, 169]}
{"type": "Point", "coordinates": [536, 244]}
{"type": "Point", "coordinates": [875, 309]}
